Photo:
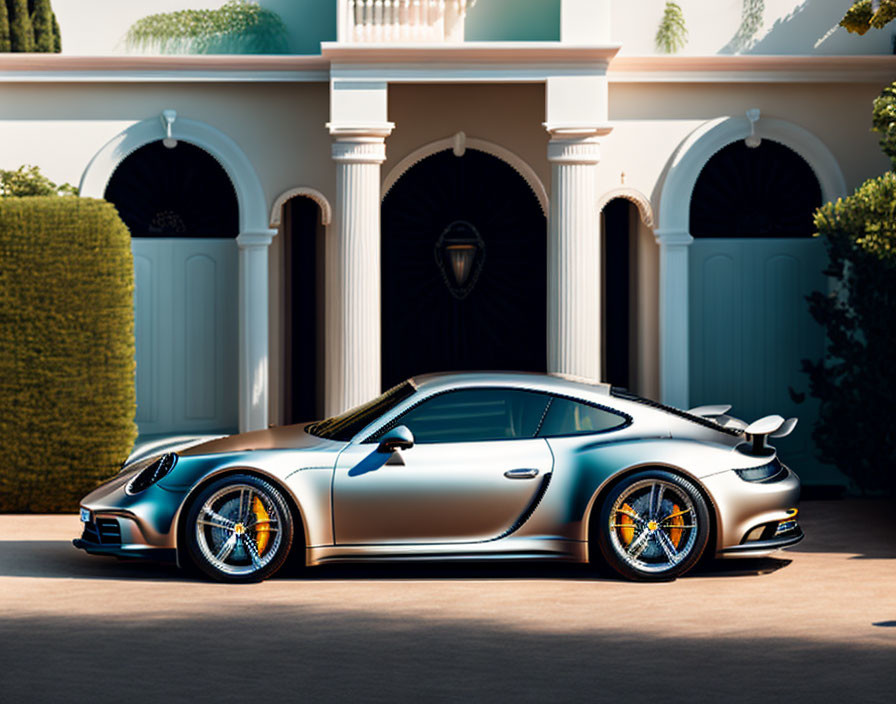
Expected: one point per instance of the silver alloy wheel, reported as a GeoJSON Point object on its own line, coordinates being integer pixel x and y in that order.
{"type": "Point", "coordinates": [662, 521]}
{"type": "Point", "coordinates": [235, 534]}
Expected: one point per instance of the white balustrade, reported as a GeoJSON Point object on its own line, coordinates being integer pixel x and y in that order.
{"type": "Point", "coordinates": [373, 21]}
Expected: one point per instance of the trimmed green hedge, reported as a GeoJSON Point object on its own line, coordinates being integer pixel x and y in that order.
{"type": "Point", "coordinates": [67, 398]}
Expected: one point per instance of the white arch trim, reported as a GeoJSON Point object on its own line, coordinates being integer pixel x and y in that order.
{"type": "Point", "coordinates": [515, 161]}
{"type": "Point", "coordinates": [693, 153]}
{"type": "Point", "coordinates": [326, 211]}
{"type": "Point", "coordinates": [249, 193]}
{"type": "Point", "coordinates": [253, 241]}
{"type": "Point", "coordinates": [674, 237]}
{"type": "Point", "coordinates": [633, 195]}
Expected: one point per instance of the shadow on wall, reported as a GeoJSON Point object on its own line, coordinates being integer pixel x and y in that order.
{"type": "Point", "coordinates": [752, 12]}
{"type": "Point", "coordinates": [811, 28]}
{"type": "Point", "coordinates": [336, 655]}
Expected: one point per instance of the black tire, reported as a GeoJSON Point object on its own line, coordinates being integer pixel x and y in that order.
{"type": "Point", "coordinates": [224, 518]}
{"type": "Point", "coordinates": [649, 542]}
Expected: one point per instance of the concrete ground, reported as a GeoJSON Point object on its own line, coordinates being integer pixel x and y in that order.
{"type": "Point", "coordinates": [817, 623]}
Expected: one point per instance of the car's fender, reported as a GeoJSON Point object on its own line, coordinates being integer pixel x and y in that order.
{"type": "Point", "coordinates": [304, 478]}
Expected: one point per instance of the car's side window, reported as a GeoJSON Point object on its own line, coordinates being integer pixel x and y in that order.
{"type": "Point", "coordinates": [470, 415]}
{"type": "Point", "coordinates": [567, 417]}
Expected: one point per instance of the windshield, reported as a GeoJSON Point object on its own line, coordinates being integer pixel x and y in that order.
{"type": "Point", "coordinates": [344, 427]}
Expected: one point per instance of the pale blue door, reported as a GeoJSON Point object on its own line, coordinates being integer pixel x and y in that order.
{"type": "Point", "coordinates": [185, 320]}
{"type": "Point", "coordinates": [750, 328]}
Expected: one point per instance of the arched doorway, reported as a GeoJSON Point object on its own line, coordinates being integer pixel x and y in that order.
{"type": "Point", "coordinates": [302, 233]}
{"type": "Point", "coordinates": [182, 211]}
{"type": "Point", "coordinates": [620, 288]}
{"type": "Point", "coordinates": [629, 299]}
{"type": "Point", "coordinates": [752, 264]}
{"type": "Point", "coordinates": [463, 269]}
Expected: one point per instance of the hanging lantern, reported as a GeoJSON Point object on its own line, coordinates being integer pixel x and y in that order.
{"type": "Point", "coordinates": [460, 253]}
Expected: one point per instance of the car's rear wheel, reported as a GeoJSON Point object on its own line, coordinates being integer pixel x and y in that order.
{"type": "Point", "coordinates": [653, 526]}
{"type": "Point", "coordinates": [239, 529]}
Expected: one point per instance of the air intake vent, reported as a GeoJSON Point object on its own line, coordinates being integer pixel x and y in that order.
{"type": "Point", "coordinates": [106, 531]}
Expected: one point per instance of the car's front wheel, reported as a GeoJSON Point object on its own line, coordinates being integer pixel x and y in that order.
{"type": "Point", "coordinates": [653, 525]}
{"type": "Point", "coordinates": [239, 529]}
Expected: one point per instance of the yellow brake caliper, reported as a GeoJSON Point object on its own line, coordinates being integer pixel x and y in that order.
{"type": "Point", "coordinates": [676, 520]}
{"type": "Point", "coordinates": [262, 526]}
{"type": "Point", "coordinates": [626, 524]}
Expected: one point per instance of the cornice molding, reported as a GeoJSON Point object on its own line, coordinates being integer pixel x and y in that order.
{"type": "Point", "coordinates": [467, 52]}
{"type": "Point", "coordinates": [484, 61]}
{"type": "Point", "coordinates": [33, 68]}
{"type": "Point", "coordinates": [752, 69]}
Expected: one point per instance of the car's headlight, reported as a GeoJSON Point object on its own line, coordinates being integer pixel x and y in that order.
{"type": "Point", "coordinates": [770, 472]}
{"type": "Point", "coordinates": [152, 473]}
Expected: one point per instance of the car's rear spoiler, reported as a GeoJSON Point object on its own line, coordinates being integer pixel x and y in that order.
{"type": "Point", "coordinates": [773, 426]}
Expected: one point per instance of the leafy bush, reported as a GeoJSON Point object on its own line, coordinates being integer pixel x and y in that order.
{"type": "Point", "coordinates": [856, 383]}
{"type": "Point", "coordinates": [29, 181]}
{"type": "Point", "coordinates": [865, 14]}
{"type": "Point", "coordinates": [67, 398]}
{"type": "Point", "coordinates": [672, 34]}
{"type": "Point", "coordinates": [238, 27]}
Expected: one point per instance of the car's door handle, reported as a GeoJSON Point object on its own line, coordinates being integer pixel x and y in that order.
{"type": "Point", "coordinates": [521, 473]}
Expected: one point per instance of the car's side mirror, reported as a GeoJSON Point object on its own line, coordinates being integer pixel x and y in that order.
{"type": "Point", "coordinates": [399, 438]}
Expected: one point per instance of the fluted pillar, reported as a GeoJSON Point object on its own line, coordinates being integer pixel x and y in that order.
{"type": "Point", "coordinates": [253, 327]}
{"type": "Point", "coordinates": [352, 366]}
{"type": "Point", "coordinates": [574, 266]}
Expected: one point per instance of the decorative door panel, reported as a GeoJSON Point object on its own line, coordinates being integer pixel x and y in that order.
{"type": "Point", "coordinates": [750, 329]}
{"type": "Point", "coordinates": [185, 312]}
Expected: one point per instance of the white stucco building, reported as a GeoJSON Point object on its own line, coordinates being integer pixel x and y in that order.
{"type": "Point", "coordinates": [520, 184]}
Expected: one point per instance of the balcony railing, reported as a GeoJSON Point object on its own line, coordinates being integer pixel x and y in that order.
{"type": "Point", "coordinates": [402, 20]}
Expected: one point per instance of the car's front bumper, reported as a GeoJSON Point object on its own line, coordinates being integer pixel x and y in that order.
{"type": "Point", "coordinates": [126, 525]}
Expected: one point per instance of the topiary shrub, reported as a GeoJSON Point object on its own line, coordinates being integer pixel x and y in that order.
{"type": "Point", "coordinates": [856, 383]}
{"type": "Point", "coordinates": [67, 398]}
{"type": "Point", "coordinates": [5, 41]}
{"type": "Point", "coordinates": [28, 25]}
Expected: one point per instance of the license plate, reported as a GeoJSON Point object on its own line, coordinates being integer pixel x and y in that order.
{"type": "Point", "coordinates": [85, 516]}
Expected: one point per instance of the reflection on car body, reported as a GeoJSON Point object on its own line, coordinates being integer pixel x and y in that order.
{"type": "Point", "coordinates": [489, 465]}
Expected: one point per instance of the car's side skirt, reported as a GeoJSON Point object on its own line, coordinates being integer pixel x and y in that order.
{"type": "Point", "coordinates": [507, 549]}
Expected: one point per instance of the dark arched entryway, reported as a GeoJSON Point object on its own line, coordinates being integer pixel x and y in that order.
{"type": "Point", "coordinates": [182, 211]}
{"type": "Point", "coordinates": [464, 275]}
{"type": "Point", "coordinates": [302, 234]}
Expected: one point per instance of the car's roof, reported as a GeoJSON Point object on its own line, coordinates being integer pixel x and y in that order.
{"type": "Point", "coordinates": [554, 383]}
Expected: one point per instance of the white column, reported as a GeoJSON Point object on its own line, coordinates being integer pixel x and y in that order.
{"type": "Point", "coordinates": [574, 267]}
{"type": "Point", "coordinates": [674, 315]}
{"type": "Point", "coordinates": [352, 366]}
{"type": "Point", "coordinates": [253, 328]}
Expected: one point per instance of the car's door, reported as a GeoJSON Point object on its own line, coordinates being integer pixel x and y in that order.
{"type": "Point", "coordinates": [474, 470]}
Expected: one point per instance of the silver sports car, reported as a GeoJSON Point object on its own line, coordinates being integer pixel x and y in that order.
{"type": "Point", "coordinates": [465, 466]}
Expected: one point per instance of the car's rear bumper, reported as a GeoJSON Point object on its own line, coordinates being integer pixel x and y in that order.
{"type": "Point", "coordinates": [754, 519]}
{"type": "Point", "coordinates": [759, 548]}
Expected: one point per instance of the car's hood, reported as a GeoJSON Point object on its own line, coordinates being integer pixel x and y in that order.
{"type": "Point", "coordinates": [285, 437]}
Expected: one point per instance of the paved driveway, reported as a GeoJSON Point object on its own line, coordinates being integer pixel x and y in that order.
{"type": "Point", "coordinates": [818, 624]}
